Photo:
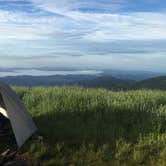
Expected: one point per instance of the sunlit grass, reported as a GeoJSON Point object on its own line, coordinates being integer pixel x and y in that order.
{"type": "Point", "coordinates": [86, 127]}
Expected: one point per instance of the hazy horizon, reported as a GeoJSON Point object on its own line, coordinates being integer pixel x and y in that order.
{"type": "Point", "coordinates": [64, 71]}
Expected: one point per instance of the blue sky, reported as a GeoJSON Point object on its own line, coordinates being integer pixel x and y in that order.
{"type": "Point", "coordinates": [115, 34]}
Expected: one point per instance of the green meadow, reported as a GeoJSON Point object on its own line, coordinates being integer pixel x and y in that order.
{"type": "Point", "coordinates": [96, 127]}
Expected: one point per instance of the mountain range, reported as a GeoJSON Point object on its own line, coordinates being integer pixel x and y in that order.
{"type": "Point", "coordinates": [110, 79]}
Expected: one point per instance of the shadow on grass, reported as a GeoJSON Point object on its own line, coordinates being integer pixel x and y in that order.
{"type": "Point", "coordinates": [99, 127]}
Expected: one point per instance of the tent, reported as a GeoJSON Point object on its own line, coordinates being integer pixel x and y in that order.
{"type": "Point", "coordinates": [13, 108]}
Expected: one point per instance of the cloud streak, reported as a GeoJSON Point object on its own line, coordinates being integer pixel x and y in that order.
{"type": "Point", "coordinates": [91, 26]}
{"type": "Point", "coordinates": [70, 32]}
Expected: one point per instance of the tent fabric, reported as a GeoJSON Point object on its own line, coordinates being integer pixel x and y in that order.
{"type": "Point", "coordinates": [21, 122]}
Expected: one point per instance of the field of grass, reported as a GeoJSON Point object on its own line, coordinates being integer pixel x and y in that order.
{"type": "Point", "coordinates": [96, 127]}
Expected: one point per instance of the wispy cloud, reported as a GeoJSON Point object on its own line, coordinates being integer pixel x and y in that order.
{"type": "Point", "coordinates": [35, 72]}
{"type": "Point", "coordinates": [93, 26]}
{"type": "Point", "coordinates": [108, 26]}
{"type": "Point", "coordinates": [55, 31]}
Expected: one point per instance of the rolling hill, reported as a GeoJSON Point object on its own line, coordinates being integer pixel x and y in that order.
{"type": "Point", "coordinates": [94, 81]}
{"type": "Point", "coordinates": [108, 82]}
{"type": "Point", "coordinates": [152, 83]}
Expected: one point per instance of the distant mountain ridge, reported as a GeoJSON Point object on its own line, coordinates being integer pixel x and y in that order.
{"type": "Point", "coordinates": [107, 78]}
{"type": "Point", "coordinates": [94, 81]}
{"type": "Point", "coordinates": [59, 80]}
{"type": "Point", "coordinates": [152, 83]}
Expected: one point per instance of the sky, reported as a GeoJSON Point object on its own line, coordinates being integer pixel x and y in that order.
{"type": "Point", "coordinates": [114, 34]}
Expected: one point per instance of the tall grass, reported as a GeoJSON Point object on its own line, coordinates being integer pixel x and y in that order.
{"type": "Point", "coordinates": [96, 127]}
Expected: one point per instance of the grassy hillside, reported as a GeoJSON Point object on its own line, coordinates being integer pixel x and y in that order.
{"type": "Point", "coordinates": [95, 127]}
{"type": "Point", "coordinates": [152, 83]}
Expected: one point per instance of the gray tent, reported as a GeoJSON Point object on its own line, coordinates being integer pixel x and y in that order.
{"type": "Point", "coordinates": [13, 108]}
